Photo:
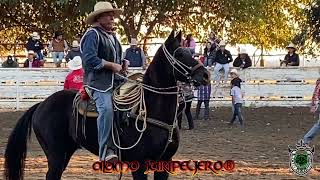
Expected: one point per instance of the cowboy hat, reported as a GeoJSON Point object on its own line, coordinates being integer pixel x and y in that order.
{"type": "Point", "coordinates": [35, 35]}
{"type": "Point", "coordinates": [243, 51]}
{"type": "Point", "coordinates": [102, 7]}
{"type": "Point", "coordinates": [133, 42]}
{"type": "Point", "coordinates": [75, 44]}
{"type": "Point", "coordinates": [31, 52]}
{"type": "Point", "coordinates": [222, 43]}
{"type": "Point", "coordinates": [291, 45]}
{"type": "Point", "coordinates": [234, 71]}
{"type": "Point", "coordinates": [75, 63]}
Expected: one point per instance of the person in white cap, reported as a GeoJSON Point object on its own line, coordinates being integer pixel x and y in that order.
{"type": "Point", "coordinates": [243, 60]}
{"type": "Point", "coordinates": [75, 51]}
{"type": "Point", "coordinates": [74, 80]}
{"type": "Point", "coordinates": [292, 58]}
{"type": "Point", "coordinates": [222, 59]}
{"type": "Point", "coordinates": [34, 44]}
{"type": "Point", "coordinates": [101, 56]}
{"type": "Point", "coordinates": [135, 55]}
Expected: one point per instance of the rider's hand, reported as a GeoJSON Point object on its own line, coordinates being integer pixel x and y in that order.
{"type": "Point", "coordinates": [116, 68]}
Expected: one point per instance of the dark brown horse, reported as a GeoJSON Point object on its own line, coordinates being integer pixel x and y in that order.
{"type": "Point", "coordinates": [53, 118]}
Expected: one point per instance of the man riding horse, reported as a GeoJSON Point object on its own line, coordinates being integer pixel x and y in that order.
{"type": "Point", "coordinates": [102, 60]}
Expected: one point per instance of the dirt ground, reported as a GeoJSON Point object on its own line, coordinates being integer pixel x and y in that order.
{"type": "Point", "coordinates": [260, 149]}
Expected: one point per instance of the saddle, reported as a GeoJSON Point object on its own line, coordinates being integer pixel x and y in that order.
{"type": "Point", "coordinates": [85, 104]}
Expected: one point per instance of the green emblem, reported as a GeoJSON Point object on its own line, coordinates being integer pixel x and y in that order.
{"type": "Point", "coordinates": [301, 158]}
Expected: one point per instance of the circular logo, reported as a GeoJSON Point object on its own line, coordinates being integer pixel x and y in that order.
{"type": "Point", "coordinates": [301, 162]}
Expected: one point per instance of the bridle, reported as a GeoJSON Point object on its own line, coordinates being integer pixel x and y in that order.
{"type": "Point", "coordinates": [180, 67]}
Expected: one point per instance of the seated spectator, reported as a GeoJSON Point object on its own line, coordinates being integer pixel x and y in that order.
{"type": "Point", "coordinates": [75, 51]}
{"type": "Point", "coordinates": [10, 63]}
{"type": "Point", "coordinates": [135, 55]}
{"type": "Point", "coordinates": [209, 53]}
{"type": "Point", "coordinates": [32, 61]}
{"type": "Point", "coordinates": [34, 44]}
{"type": "Point", "coordinates": [74, 80]}
{"type": "Point", "coordinates": [243, 60]}
{"type": "Point", "coordinates": [291, 59]}
{"type": "Point", "coordinates": [204, 93]}
{"type": "Point", "coordinates": [58, 46]}
{"type": "Point", "coordinates": [190, 43]}
{"type": "Point", "coordinates": [222, 59]}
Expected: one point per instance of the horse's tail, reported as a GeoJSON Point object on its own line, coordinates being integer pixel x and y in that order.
{"type": "Point", "coordinates": [16, 151]}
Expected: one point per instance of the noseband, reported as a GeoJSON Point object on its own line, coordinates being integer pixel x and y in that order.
{"type": "Point", "coordinates": [182, 68]}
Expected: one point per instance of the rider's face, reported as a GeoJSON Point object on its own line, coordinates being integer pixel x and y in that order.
{"type": "Point", "coordinates": [106, 20]}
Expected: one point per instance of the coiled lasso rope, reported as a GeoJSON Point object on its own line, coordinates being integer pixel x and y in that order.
{"type": "Point", "coordinates": [136, 98]}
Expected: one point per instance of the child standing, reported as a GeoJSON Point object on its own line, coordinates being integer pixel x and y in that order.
{"type": "Point", "coordinates": [236, 98]}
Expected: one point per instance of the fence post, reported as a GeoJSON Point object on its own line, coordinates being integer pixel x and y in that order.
{"type": "Point", "coordinates": [17, 89]}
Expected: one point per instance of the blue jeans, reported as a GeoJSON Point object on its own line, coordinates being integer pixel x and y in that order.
{"type": "Point", "coordinates": [105, 119]}
{"type": "Point", "coordinates": [57, 57]}
{"type": "Point", "coordinates": [39, 55]}
{"type": "Point", "coordinates": [207, 62]}
{"type": "Point", "coordinates": [312, 132]}
{"type": "Point", "coordinates": [237, 113]}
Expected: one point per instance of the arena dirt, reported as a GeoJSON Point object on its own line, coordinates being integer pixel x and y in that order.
{"type": "Point", "coordinates": [260, 149]}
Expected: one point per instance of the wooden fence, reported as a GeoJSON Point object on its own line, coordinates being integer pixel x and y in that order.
{"type": "Point", "coordinates": [21, 88]}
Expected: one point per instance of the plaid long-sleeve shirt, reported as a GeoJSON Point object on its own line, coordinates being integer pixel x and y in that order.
{"type": "Point", "coordinates": [204, 92]}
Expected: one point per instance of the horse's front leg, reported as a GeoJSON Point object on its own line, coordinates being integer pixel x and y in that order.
{"type": "Point", "coordinates": [139, 174]}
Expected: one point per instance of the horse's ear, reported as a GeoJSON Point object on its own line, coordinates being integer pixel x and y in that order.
{"type": "Point", "coordinates": [171, 36]}
{"type": "Point", "coordinates": [179, 36]}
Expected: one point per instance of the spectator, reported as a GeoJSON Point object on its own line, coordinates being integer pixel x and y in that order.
{"type": "Point", "coordinates": [209, 54]}
{"type": "Point", "coordinates": [58, 46]}
{"type": "Point", "coordinates": [34, 44]}
{"type": "Point", "coordinates": [243, 60]}
{"type": "Point", "coordinates": [74, 80]}
{"type": "Point", "coordinates": [213, 40]}
{"type": "Point", "coordinates": [185, 102]}
{"type": "Point", "coordinates": [10, 63]}
{"type": "Point", "coordinates": [204, 93]}
{"type": "Point", "coordinates": [236, 100]}
{"type": "Point", "coordinates": [291, 59]}
{"type": "Point", "coordinates": [190, 43]}
{"type": "Point", "coordinates": [32, 61]}
{"type": "Point", "coordinates": [135, 55]}
{"type": "Point", "coordinates": [222, 59]}
{"type": "Point", "coordinates": [75, 51]}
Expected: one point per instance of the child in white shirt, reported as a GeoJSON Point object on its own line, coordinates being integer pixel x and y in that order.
{"type": "Point", "coordinates": [236, 100]}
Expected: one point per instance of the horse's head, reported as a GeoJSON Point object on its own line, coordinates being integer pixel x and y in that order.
{"type": "Point", "coordinates": [185, 67]}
